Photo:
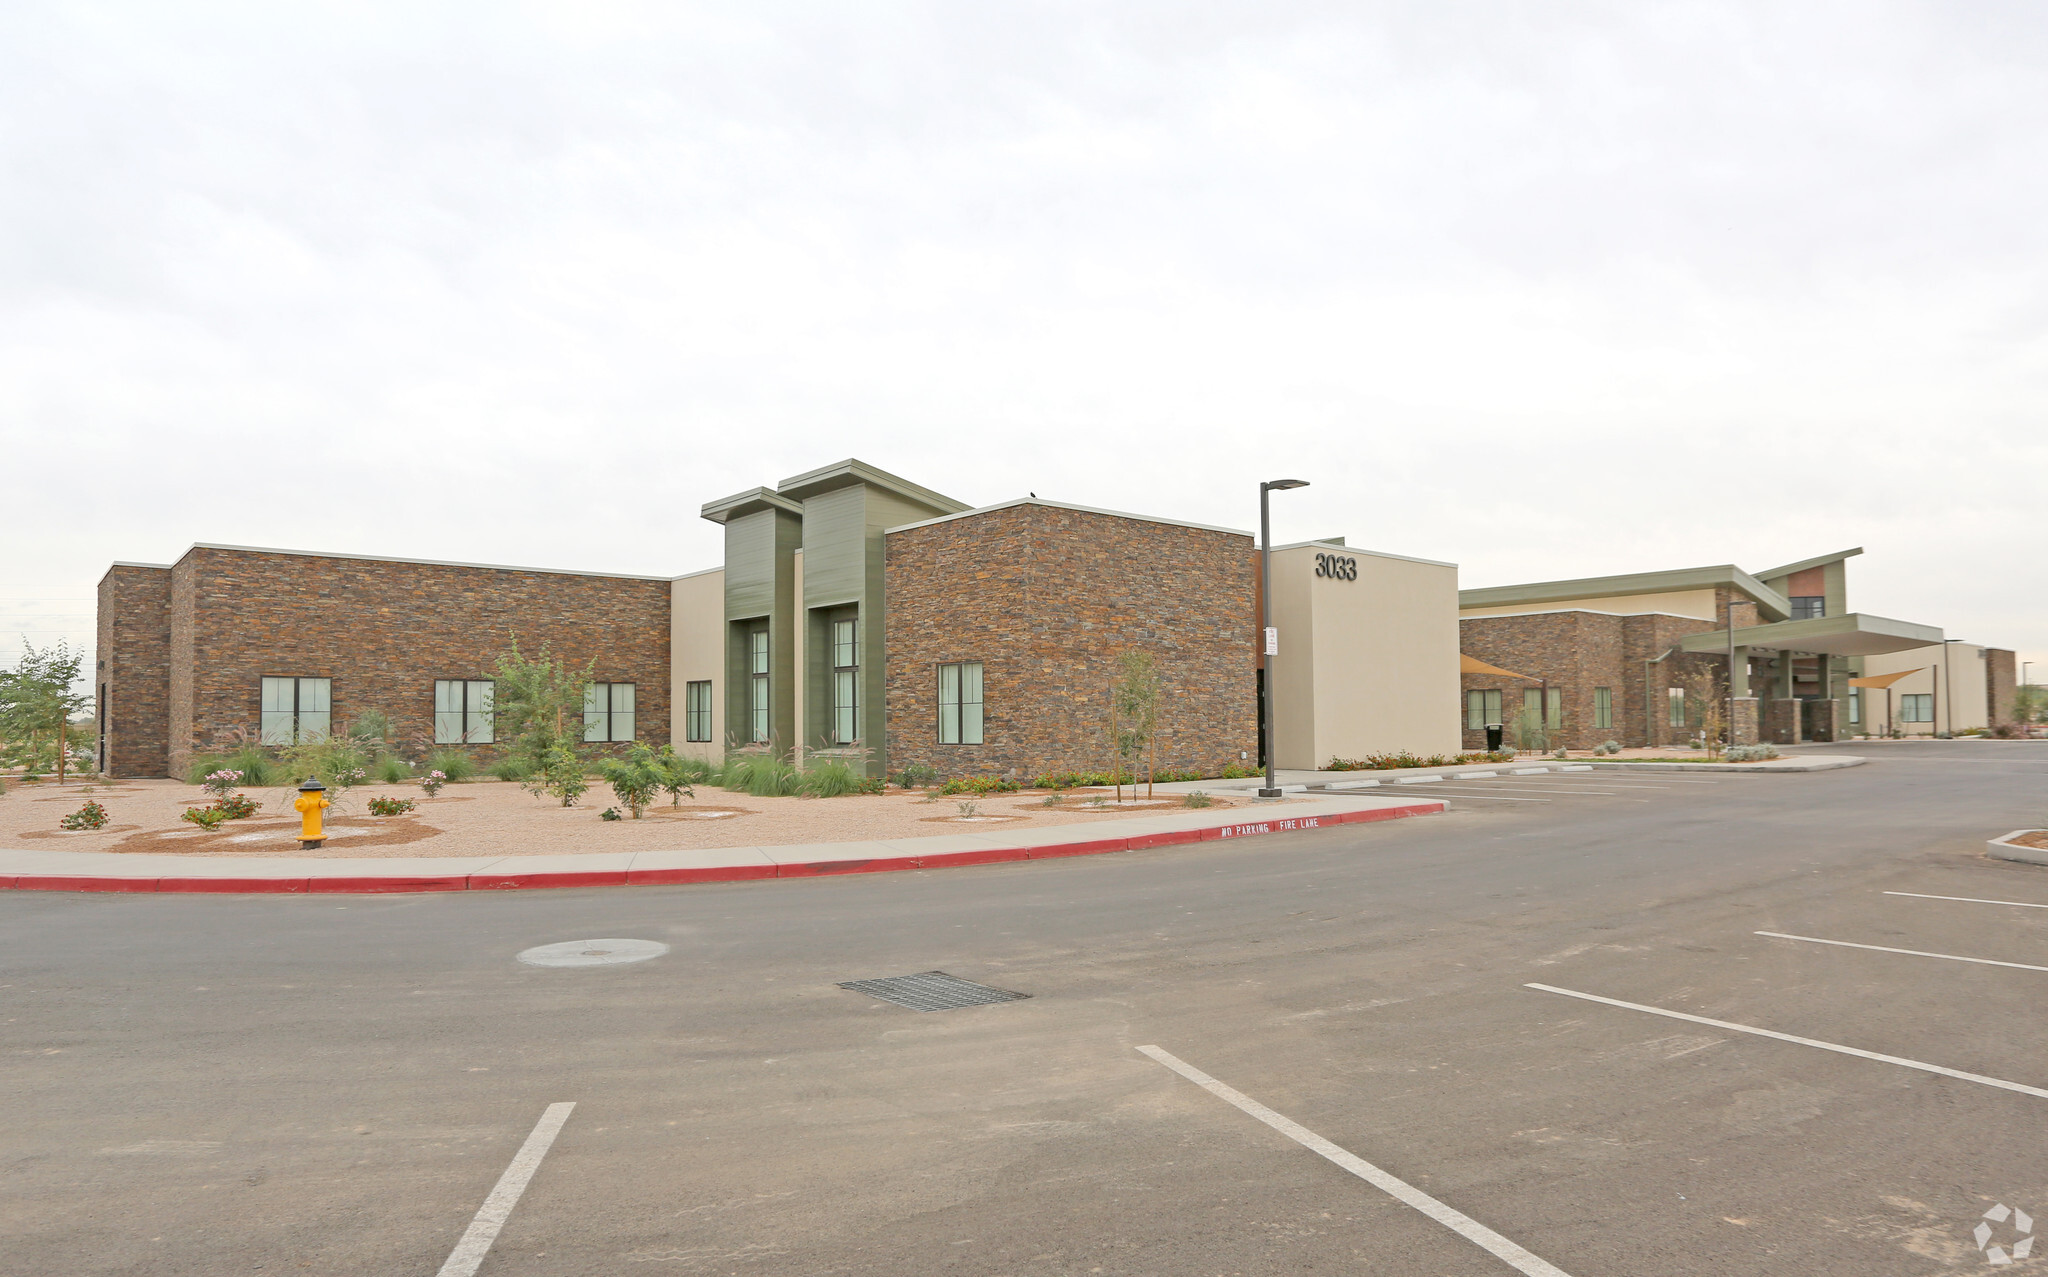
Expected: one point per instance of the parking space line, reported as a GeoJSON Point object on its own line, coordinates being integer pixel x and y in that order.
{"type": "Point", "coordinates": [1400, 1190]}
{"type": "Point", "coordinates": [497, 1208]}
{"type": "Point", "coordinates": [1911, 953]}
{"type": "Point", "coordinates": [1489, 798]}
{"type": "Point", "coordinates": [1968, 900]}
{"type": "Point", "coordinates": [1902, 1062]}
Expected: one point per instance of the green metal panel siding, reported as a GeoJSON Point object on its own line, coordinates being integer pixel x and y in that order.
{"type": "Point", "coordinates": [750, 565]}
{"type": "Point", "coordinates": [835, 570]}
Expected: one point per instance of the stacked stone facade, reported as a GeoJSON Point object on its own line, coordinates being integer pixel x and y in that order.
{"type": "Point", "coordinates": [1046, 597]}
{"type": "Point", "coordinates": [1634, 657]}
{"type": "Point", "coordinates": [383, 630]}
{"type": "Point", "coordinates": [131, 679]}
{"type": "Point", "coordinates": [2001, 682]}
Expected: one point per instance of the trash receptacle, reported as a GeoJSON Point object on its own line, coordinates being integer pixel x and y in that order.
{"type": "Point", "coordinates": [1493, 738]}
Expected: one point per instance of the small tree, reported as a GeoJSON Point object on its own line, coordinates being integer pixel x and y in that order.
{"type": "Point", "coordinates": [637, 777]}
{"type": "Point", "coordinates": [1706, 704]}
{"type": "Point", "coordinates": [560, 775]}
{"type": "Point", "coordinates": [1133, 713]}
{"type": "Point", "coordinates": [38, 695]}
{"type": "Point", "coordinates": [538, 702]}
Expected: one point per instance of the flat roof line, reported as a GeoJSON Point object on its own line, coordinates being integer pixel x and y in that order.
{"type": "Point", "coordinates": [1352, 549]}
{"type": "Point", "coordinates": [432, 563]}
{"type": "Point", "coordinates": [1803, 564]}
{"type": "Point", "coordinates": [1065, 505]}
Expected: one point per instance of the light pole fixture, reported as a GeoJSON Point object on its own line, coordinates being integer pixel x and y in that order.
{"type": "Point", "coordinates": [1269, 638]}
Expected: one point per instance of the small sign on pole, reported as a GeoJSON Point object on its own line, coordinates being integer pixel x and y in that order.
{"type": "Point", "coordinates": [1272, 640]}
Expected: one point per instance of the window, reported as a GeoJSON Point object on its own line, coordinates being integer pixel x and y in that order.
{"type": "Point", "coordinates": [1809, 607]}
{"type": "Point", "coordinates": [845, 682]}
{"type": "Point", "coordinates": [1556, 711]}
{"type": "Point", "coordinates": [295, 709]}
{"type": "Point", "coordinates": [1482, 708]}
{"type": "Point", "coordinates": [1603, 707]}
{"type": "Point", "coordinates": [1855, 704]}
{"type": "Point", "coordinates": [960, 703]}
{"type": "Point", "coordinates": [757, 684]}
{"type": "Point", "coordinates": [465, 711]}
{"type": "Point", "coordinates": [608, 712]}
{"type": "Point", "coordinates": [1532, 705]}
{"type": "Point", "coordinates": [1676, 698]}
{"type": "Point", "coordinates": [697, 711]}
{"type": "Point", "coordinates": [1916, 707]}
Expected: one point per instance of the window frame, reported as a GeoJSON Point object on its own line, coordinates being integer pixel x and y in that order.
{"type": "Point", "coordinates": [1675, 707]}
{"type": "Point", "coordinates": [760, 719]}
{"type": "Point", "coordinates": [960, 703]}
{"type": "Point", "coordinates": [1603, 708]}
{"type": "Point", "coordinates": [609, 713]}
{"type": "Point", "coordinates": [696, 731]}
{"type": "Point", "coordinates": [1910, 702]}
{"type": "Point", "coordinates": [298, 711]}
{"type": "Point", "coordinates": [468, 714]}
{"type": "Point", "coordinates": [1808, 607]}
{"type": "Point", "coordinates": [845, 684]}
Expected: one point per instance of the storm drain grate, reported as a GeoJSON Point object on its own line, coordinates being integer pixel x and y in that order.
{"type": "Point", "coordinates": [931, 991]}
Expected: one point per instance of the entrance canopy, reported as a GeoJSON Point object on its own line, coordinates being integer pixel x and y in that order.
{"type": "Point", "coordinates": [1855, 634]}
{"type": "Point", "coordinates": [1473, 665]}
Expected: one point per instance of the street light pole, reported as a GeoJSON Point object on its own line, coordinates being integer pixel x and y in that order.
{"type": "Point", "coordinates": [1268, 640]}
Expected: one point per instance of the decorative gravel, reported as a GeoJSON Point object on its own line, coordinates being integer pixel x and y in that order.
{"type": "Point", "coordinates": [486, 818]}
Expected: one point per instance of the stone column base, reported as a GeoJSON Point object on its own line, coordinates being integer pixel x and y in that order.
{"type": "Point", "coordinates": [1743, 731]}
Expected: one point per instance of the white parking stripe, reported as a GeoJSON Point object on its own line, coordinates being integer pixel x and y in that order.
{"type": "Point", "coordinates": [1489, 798]}
{"type": "Point", "coordinates": [1400, 1190]}
{"type": "Point", "coordinates": [497, 1208]}
{"type": "Point", "coordinates": [1902, 1062]}
{"type": "Point", "coordinates": [1968, 900]}
{"type": "Point", "coordinates": [1911, 953]}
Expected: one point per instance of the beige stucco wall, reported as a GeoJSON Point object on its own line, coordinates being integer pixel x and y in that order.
{"type": "Point", "coordinates": [1366, 666]}
{"type": "Point", "coordinates": [697, 651]}
{"type": "Point", "coordinates": [1695, 603]}
{"type": "Point", "coordinates": [1966, 668]}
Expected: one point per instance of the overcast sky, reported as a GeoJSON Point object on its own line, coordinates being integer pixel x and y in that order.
{"type": "Point", "coordinates": [1546, 290]}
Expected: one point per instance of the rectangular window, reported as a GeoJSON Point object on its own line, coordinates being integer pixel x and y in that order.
{"type": "Point", "coordinates": [1916, 707]}
{"type": "Point", "coordinates": [1556, 715]}
{"type": "Point", "coordinates": [1676, 698]}
{"type": "Point", "coordinates": [1856, 705]}
{"type": "Point", "coordinates": [960, 703]}
{"type": "Point", "coordinates": [1603, 707]}
{"type": "Point", "coordinates": [1809, 607]}
{"type": "Point", "coordinates": [295, 709]}
{"type": "Point", "coordinates": [1482, 708]}
{"type": "Point", "coordinates": [845, 682]}
{"type": "Point", "coordinates": [608, 712]}
{"type": "Point", "coordinates": [465, 711]}
{"type": "Point", "coordinates": [757, 684]}
{"type": "Point", "coordinates": [1532, 704]}
{"type": "Point", "coordinates": [697, 711]}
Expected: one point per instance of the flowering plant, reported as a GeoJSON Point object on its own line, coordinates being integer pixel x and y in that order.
{"type": "Point", "coordinates": [237, 806]}
{"type": "Point", "coordinates": [207, 818]}
{"type": "Point", "coordinates": [90, 816]}
{"type": "Point", "coordinates": [219, 783]}
{"type": "Point", "coordinates": [390, 806]}
{"type": "Point", "coordinates": [432, 782]}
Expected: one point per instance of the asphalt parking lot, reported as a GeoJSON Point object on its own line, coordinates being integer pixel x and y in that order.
{"type": "Point", "coordinates": [207, 1085]}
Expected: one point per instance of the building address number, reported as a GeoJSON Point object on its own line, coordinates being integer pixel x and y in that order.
{"type": "Point", "coordinates": [1337, 567]}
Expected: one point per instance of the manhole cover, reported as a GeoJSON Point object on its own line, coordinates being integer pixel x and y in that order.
{"type": "Point", "coordinates": [931, 991]}
{"type": "Point", "coordinates": [592, 953]}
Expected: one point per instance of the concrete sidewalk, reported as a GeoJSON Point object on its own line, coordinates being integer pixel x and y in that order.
{"type": "Point", "coordinates": [38, 870]}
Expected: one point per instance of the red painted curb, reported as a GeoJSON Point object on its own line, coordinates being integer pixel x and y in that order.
{"type": "Point", "coordinates": [717, 873]}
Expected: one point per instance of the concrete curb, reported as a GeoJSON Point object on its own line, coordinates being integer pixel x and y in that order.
{"type": "Point", "coordinates": [300, 876]}
{"type": "Point", "coordinates": [2006, 849]}
{"type": "Point", "coordinates": [1781, 766]}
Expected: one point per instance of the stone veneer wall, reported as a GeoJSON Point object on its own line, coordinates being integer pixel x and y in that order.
{"type": "Point", "coordinates": [1045, 598]}
{"type": "Point", "coordinates": [132, 674]}
{"type": "Point", "coordinates": [384, 632]}
{"type": "Point", "coordinates": [1578, 651]}
{"type": "Point", "coordinates": [2001, 681]}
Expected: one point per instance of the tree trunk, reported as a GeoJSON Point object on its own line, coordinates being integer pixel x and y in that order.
{"type": "Point", "coordinates": [62, 732]}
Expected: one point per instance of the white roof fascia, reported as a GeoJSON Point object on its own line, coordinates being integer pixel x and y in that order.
{"type": "Point", "coordinates": [432, 563]}
{"type": "Point", "coordinates": [1064, 505]}
{"type": "Point", "coordinates": [699, 572]}
{"type": "Point", "coordinates": [1352, 549]}
{"type": "Point", "coordinates": [1590, 611]}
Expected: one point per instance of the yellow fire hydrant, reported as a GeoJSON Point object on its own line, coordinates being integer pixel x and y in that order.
{"type": "Point", "coordinates": [312, 800]}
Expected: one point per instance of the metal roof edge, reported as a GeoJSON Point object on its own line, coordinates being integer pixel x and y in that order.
{"type": "Point", "coordinates": [1596, 587]}
{"type": "Point", "coordinates": [725, 507]}
{"type": "Point", "coordinates": [1803, 564]}
{"type": "Point", "coordinates": [432, 563]}
{"type": "Point", "coordinates": [855, 470]}
{"type": "Point", "coordinates": [699, 572]}
{"type": "Point", "coordinates": [1064, 505]}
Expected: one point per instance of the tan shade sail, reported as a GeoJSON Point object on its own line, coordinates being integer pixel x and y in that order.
{"type": "Point", "coordinates": [1473, 665]}
{"type": "Point", "coordinates": [1883, 680]}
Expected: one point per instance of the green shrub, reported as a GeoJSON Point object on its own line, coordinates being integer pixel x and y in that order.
{"type": "Point", "coordinates": [1389, 762]}
{"type": "Point", "coordinates": [90, 816]}
{"type": "Point", "coordinates": [762, 776]}
{"type": "Point", "coordinates": [511, 768]}
{"type": "Point", "coordinates": [979, 785]}
{"type": "Point", "coordinates": [969, 808]}
{"type": "Point", "coordinates": [1198, 799]}
{"type": "Point", "coordinates": [1238, 771]}
{"type": "Point", "coordinates": [560, 775]}
{"type": "Point", "coordinates": [915, 776]}
{"type": "Point", "coordinates": [636, 778]}
{"type": "Point", "coordinates": [457, 765]}
{"type": "Point", "coordinates": [259, 770]}
{"type": "Point", "coordinates": [390, 769]}
{"type": "Point", "coordinates": [207, 818]}
{"type": "Point", "coordinates": [833, 778]}
{"type": "Point", "coordinates": [1052, 800]}
{"type": "Point", "coordinates": [237, 806]}
{"type": "Point", "coordinates": [610, 813]}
